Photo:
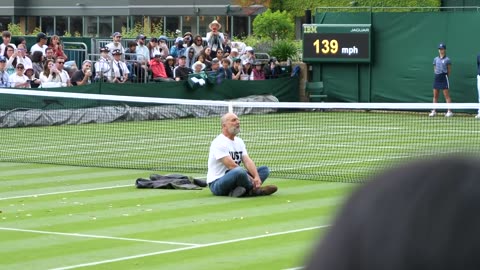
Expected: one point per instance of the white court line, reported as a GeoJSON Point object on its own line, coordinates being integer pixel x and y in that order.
{"type": "Point", "coordinates": [64, 192]}
{"type": "Point", "coordinates": [188, 248]}
{"type": "Point", "coordinates": [295, 268]}
{"type": "Point", "coordinates": [97, 236]}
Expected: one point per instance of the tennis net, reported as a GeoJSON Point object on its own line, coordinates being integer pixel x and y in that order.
{"type": "Point", "coordinates": [317, 141]}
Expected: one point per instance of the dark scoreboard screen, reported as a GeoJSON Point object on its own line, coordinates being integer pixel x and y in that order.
{"type": "Point", "coordinates": [337, 43]}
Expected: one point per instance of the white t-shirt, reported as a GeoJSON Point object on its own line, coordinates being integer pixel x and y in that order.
{"type": "Point", "coordinates": [35, 48]}
{"type": "Point", "coordinates": [3, 46]}
{"type": "Point", "coordinates": [14, 79]}
{"type": "Point", "coordinates": [221, 147]}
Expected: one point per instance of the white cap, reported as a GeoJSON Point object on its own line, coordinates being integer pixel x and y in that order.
{"type": "Point", "coordinates": [234, 50]}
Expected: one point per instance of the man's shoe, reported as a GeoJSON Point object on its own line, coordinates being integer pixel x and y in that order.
{"type": "Point", "coordinates": [449, 114]}
{"type": "Point", "coordinates": [432, 114]}
{"type": "Point", "coordinates": [238, 192]}
{"type": "Point", "coordinates": [477, 116]}
{"type": "Point", "coordinates": [264, 191]}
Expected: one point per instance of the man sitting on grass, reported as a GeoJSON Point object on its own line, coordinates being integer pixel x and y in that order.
{"type": "Point", "coordinates": [225, 175]}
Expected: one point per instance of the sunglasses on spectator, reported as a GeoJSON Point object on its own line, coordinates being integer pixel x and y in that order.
{"type": "Point", "coordinates": [60, 62]}
{"type": "Point", "coordinates": [20, 67]}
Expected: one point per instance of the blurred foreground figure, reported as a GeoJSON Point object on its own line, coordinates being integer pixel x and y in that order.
{"type": "Point", "coordinates": [422, 215]}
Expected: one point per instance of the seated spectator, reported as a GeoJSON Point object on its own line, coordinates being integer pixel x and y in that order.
{"type": "Point", "coordinates": [70, 67]}
{"type": "Point", "coordinates": [201, 58]}
{"type": "Point", "coordinates": [234, 54]}
{"type": "Point", "coordinates": [143, 56]}
{"type": "Point", "coordinates": [153, 48]}
{"type": "Point", "coordinates": [49, 64]}
{"type": "Point", "coordinates": [198, 67]}
{"type": "Point", "coordinates": [21, 40]}
{"type": "Point", "coordinates": [272, 70]}
{"type": "Point", "coordinates": [257, 73]}
{"type": "Point", "coordinates": [134, 66]}
{"type": "Point", "coordinates": [37, 63]}
{"type": "Point", "coordinates": [201, 75]}
{"type": "Point", "coordinates": [197, 44]}
{"type": "Point", "coordinates": [219, 55]}
{"type": "Point", "coordinates": [158, 69]}
{"type": "Point", "coordinates": [11, 55]}
{"type": "Point", "coordinates": [18, 79]}
{"type": "Point", "coordinates": [48, 54]}
{"type": "Point", "coordinates": [181, 72]}
{"type": "Point", "coordinates": [215, 66]}
{"type": "Point", "coordinates": [224, 72]}
{"type": "Point", "coordinates": [57, 47]}
{"type": "Point", "coordinates": [162, 44]}
{"type": "Point", "coordinates": [169, 66]}
{"type": "Point", "coordinates": [58, 74]}
{"type": "Point", "coordinates": [190, 57]}
{"type": "Point", "coordinates": [422, 215]}
{"type": "Point", "coordinates": [236, 69]}
{"type": "Point", "coordinates": [83, 76]}
{"type": "Point", "coordinates": [22, 56]}
{"type": "Point", "coordinates": [103, 66]}
{"type": "Point", "coordinates": [34, 81]}
{"type": "Point", "coordinates": [177, 49]}
{"type": "Point", "coordinates": [187, 39]}
{"type": "Point", "coordinates": [120, 71]}
{"type": "Point", "coordinates": [246, 71]}
{"type": "Point", "coordinates": [4, 77]}
{"type": "Point", "coordinates": [249, 55]}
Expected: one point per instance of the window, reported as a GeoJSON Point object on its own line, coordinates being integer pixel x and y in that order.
{"type": "Point", "coordinates": [76, 23]}
{"type": "Point", "coordinates": [4, 21]}
{"type": "Point", "coordinates": [47, 25]}
{"type": "Point", "coordinates": [61, 26]}
{"type": "Point", "coordinates": [172, 24]}
{"type": "Point", "coordinates": [105, 26]}
{"type": "Point", "coordinates": [91, 26]}
{"type": "Point", "coordinates": [118, 23]}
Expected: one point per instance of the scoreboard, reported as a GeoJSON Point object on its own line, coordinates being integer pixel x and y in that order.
{"type": "Point", "coordinates": [349, 43]}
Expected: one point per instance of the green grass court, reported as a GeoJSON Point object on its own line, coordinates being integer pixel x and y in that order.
{"type": "Point", "coordinates": [63, 217]}
{"type": "Point", "coordinates": [59, 216]}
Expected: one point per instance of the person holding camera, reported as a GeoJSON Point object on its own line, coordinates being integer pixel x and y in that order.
{"type": "Point", "coordinates": [84, 75]}
{"type": "Point", "coordinates": [119, 72]}
{"type": "Point", "coordinates": [18, 79]}
{"type": "Point", "coordinates": [58, 74]}
{"type": "Point", "coordinates": [215, 38]}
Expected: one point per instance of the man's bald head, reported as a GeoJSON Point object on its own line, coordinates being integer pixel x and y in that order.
{"type": "Point", "coordinates": [230, 125]}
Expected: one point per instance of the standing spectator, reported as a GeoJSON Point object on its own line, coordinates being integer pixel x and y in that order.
{"type": "Point", "coordinates": [442, 67]}
{"type": "Point", "coordinates": [116, 44]}
{"type": "Point", "coordinates": [119, 72]}
{"type": "Point", "coordinates": [197, 44]}
{"type": "Point", "coordinates": [41, 44]}
{"type": "Point", "coordinates": [478, 83]}
{"type": "Point", "coordinates": [18, 79]}
{"type": "Point", "coordinates": [37, 63]}
{"type": "Point", "coordinates": [190, 57]}
{"type": "Point", "coordinates": [83, 76]}
{"type": "Point", "coordinates": [4, 77]}
{"type": "Point", "coordinates": [224, 72]}
{"type": "Point", "coordinates": [32, 79]}
{"type": "Point", "coordinates": [143, 55]}
{"type": "Point", "coordinates": [215, 38]}
{"type": "Point", "coordinates": [162, 44]}
{"type": "Point", "coordinates": [236, 69]}
{"type": "Point", "coordinates": [153, 48]}
{"type": "Point", "coordinates": [158, 69]}
{"type": "Point", "coordinates": [6, 38]}
{"type": "Point", "coordinates": [134, 66]}
{"type": "Point", "coordinates": [58, 74]}
{"type": "Point", "coordinates": [57, 47]}
{"type": "Point", "coordinates": [181, 72]}
{"type": "Point", "coordinates": [169, 66]}
{"type": "Point", "coordinates": [49, 64]}
{"type": "Point", "coordinates": [272, 69]}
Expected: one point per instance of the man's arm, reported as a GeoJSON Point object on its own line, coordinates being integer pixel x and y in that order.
{"type": "Point", "coordinates": [252, 170]}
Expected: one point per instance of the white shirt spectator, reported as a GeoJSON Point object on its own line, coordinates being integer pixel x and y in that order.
{"type": "Point", "coordinates": [3, 46]}
{"type": "Point", "coordinates": [62, 78]}
{"type": "Point", "coordinates": [14, 79]}
{"type": "Point", "coordinates": [116, 66]}
{"type": "Point", "coordinates": [36, 47]}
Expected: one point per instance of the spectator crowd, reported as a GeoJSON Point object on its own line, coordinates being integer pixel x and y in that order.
{"type": "Point", "coordinates": [215, 57]}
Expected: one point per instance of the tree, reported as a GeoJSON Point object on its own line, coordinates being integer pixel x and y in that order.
{"type": "Point", "coordinates": [276, 5]}
{"type": "Point", "coordinates": [275, 25]}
